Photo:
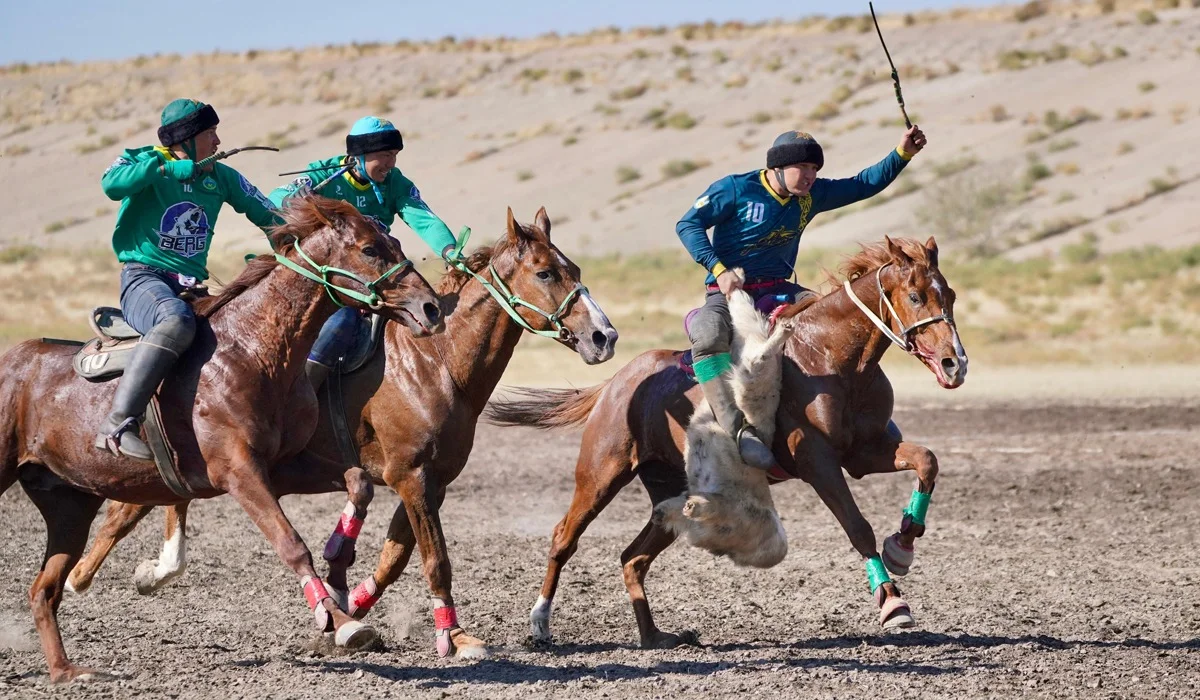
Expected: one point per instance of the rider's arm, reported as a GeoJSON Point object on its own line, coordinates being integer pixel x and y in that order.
{"type": "Point", "coordinates": [715, 206]}
{"type": "Point", "coordinates": [416, 213]}
{"type": "Point", "coordinates": [246, 199]}
{"type": "Point", "coordinates": [281, 194]}
{"type": "Point", "coordinates": [127, 176]}
{"type": "Point", "coordinates": [831, 194]}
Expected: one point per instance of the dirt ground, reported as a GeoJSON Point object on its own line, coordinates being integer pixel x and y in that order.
{"type": "Point", "coordinates": [1060, 563]}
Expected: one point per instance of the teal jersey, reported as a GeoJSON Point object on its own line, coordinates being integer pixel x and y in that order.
{"type": "Point", "coordinates": [169, 224]}
{"type": "Point", "coordinates": [400, 198]}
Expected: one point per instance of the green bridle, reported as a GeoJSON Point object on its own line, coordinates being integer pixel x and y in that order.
{"type": "Point", "coordinates": [321, 276]}
{"type": "Point", "coordinates": [509, 301]}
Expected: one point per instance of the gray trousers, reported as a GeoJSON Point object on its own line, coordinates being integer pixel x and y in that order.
{"type": "Point", "coordinates": [711, 330]}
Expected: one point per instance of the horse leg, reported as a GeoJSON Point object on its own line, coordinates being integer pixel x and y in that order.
{"type": "Point", "coordinates": [339, 548]}
{"type": "Point", "coordinates": [662, 482]}
{"type": "Point", "coordinates": [827, 480]}
{"type": "Point", "coordinates": [247, 485]}
{"type": "Point", "coordinates": [898, 548]}
{"type": "Point", "coordinates": [119, 521]}
{"type": "Point", "coordinates": [153, 574]}
{"type": "Point", "coordinates": [68, 514]}
{"type": "Point", "coordinates": [597, 482]}
{"type": "Point", "coordinates": [421, 502]}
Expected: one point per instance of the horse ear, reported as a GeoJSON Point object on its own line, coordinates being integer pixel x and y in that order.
{"type": "Point", "coordinates": [542, 221]}
{"type": "Point", "coordinates": [514, 229]}
{"type": "Point", "coordinates": [931, 250]}
{"type": "Point", "coordinates": [898, 255]}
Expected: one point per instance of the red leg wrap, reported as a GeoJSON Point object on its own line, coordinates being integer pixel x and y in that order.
{"type": "Point", "coordinates": [348, 525]}
{"type": "Point", "coordinates": [364, 597]}
{"type": "Point", "coordinates": [314, 591]}
{"type": "Point", "coordinates": [445, 618]}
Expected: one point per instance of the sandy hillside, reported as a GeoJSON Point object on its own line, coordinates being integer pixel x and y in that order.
{"type": "Point", "coordinates": [1105, 103]}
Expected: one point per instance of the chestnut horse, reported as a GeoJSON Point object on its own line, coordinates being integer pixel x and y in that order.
{"type": "Point", "coordinates": [236, 405]}
{"type": "Point", "coordinates": [834, 414]}
{"type": "Point", "coordinates": [415, 406]}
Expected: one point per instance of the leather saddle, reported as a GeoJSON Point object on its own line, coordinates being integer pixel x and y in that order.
{"type": "Point", "coordinates": [106, 355]}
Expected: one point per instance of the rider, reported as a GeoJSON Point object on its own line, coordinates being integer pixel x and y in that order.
{"type": "Point", "coordinates": [757, 220]}
{"type": "Point", "coordinates": [168, 211]}
{"type": "Point", "coordinates": [368, 178]}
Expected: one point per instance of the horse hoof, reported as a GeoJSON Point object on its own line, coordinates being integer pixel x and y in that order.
{"type": "Point", "coordinates": [666, 640]}
{"type": "Point", "coordinates": [80, 674]}
{"type": "Point", "coordinates": [82, 588]}
{"type": "Point", "coordinates": [355, 636]}
{"type": "Point", "coordinates": [539, 621]}
{"type": "Point", "coordinates": [467, 647]}
{"type": "Point", "coordinates": [896, 557]}
{"type": "Point", "coordinates": [143, 577]}
{"type": "Point", "coordinates": [895, 614]}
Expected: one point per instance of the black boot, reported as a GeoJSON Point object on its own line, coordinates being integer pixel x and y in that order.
{"type": "Point", "coordinates": [316, 373]}
{"type": "Point", "coordinates": [147, 367]}
{"type": "Point", "coordinates": [750, 446]}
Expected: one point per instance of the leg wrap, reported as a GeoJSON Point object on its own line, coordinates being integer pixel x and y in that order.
{"type": "Point", "coordinates": [712, 367]}
{"type": "Point", "coordinates": [314, 593]}
{"type": "Point", "coordinates": [339, 549]}
{"type": "Point", "coordinates": [364, 597]}
{"type": "Point", "coordinates": [918, 505]}
{"type": "Point", "coordinates": [877, 575]}
{"type": "Point", "coordinates": [444, 620]}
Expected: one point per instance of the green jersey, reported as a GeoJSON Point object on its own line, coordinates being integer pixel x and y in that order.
{"type": "Point", "coordinates": [400, 198]}
{"type": "Point", "coordinates": [169, 224]}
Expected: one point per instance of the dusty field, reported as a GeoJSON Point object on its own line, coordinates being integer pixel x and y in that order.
{"type": "Point", "coordinates": [1060, 564]}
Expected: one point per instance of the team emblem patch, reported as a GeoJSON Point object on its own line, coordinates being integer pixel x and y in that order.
{"type": "Point", "coordinates": [120, 162]}
{"type": "Point", "coordinates": [184, 229]}
{"type": "Point", "coordinates": [701, 203]}
{"type": "Point", "coordinates": [252, 191]}
{"type": "Point", "coordinates": [208, 183]}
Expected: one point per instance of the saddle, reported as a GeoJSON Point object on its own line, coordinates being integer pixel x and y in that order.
{"type": "Point", "coordinates": [104, 358]}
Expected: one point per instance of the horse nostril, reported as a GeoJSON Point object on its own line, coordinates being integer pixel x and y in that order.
{"type": "Point", "coordinates": [599, 339]}
{"type": "Point", "coordinates": [432, 312]}
{"type": "Point", "coordinates": [949, 364]}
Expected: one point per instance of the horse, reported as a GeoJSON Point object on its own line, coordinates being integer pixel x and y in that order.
{"type": "Point", "coordinates": [235, 406]}
{"type": "Point", "coordinates": [415, 407]}
{"type": "Point", "coordinates": [834, 415]}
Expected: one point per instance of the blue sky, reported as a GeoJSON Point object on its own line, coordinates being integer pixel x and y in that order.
{"type": "Point", "coordinates": [49, 30]}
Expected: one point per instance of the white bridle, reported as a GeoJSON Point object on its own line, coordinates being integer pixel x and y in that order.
{"type": "Point", "coordinates": [901, 339]}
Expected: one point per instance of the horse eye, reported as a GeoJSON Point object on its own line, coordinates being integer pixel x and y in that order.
{"type": "Point", "coordinates": [912, 296]}
{"type": "Point", "coordinates": [370, 252]}
{"type": "Point", "coordinates": [545, 275]}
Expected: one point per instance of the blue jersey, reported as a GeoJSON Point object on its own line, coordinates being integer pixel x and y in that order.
{"type": "Point", "coordinates": [759, 231]}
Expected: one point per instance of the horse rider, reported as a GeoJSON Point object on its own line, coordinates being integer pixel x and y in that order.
{"type": "Point", "coordinates": [168, 212]}
{"type": "Point", "coordinates": [757, 219]}
{"type": "Point", "coordinates": [366, 177]}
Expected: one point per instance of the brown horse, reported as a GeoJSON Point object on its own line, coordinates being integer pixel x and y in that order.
{"type": "Point", "coordinates": [415, 407]}
{"type": "Point", "coordinates": [237, 405]}
{"type": "Point", "coordinates": [834, 414]}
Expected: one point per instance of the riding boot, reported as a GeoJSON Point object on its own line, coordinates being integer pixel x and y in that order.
{"type": "Point", "coordinates": [146, 370]}
{"type": "Point", "coordinates": [753, 451]}
{"type": "Point", "coordinates": [316, 373]}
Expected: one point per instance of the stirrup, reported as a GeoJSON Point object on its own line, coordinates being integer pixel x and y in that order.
{"type": "Point", "coordinates": [112, 440]}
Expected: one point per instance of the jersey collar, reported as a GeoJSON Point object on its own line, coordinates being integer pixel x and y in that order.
{"type": "Point", "coordinates": [350, 178]}
{"type": "Point", "coordinates": [762, 177]}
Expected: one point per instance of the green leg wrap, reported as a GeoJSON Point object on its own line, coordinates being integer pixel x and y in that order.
{"type": "Point", "coordinates": [876, 574]}
{"type": "Point", "coordinates": [709, 368]}
{"type": "Point", "coordinates": [917, 507]}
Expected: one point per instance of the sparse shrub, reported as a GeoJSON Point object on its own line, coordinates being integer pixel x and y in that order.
{"type": "Point", "coordinates": [606, 110]}
{"type": "Point", "coordinates": [774, 64]}
{"type": "Point", "coordinates": [1124, 148]}
{"type": "Point", "coordinates": [655, 116]}
{"type": "Point", "coordinates": [1147, 17]}
{"type": "Point", "coordinates": [967, 210]}
{"type": "Point", "coordinates": [572, 75]}
{"type": "Point", "coordinates": [1119, 52]}
{"type": "Point", "coordinates": [1064, 197]}
{"type": "Point", "coordinates": [1030, 10]}
{"type": "Point", "coordinates": [679, 51]}
{"type": "Point", "coordinates": [1146, 86]}
{"type": "Point", "coordinates": [639, 54]}
{"type": "Point", "coordinates": [570, 141]}
{"type": "Point", "coordinates": [1035, 136]}
{"type": "Point", "coordinates": [685, 74]}
{"type": "Point", "coordinates": [1059, 226]}
{"type": "Point", "coordinates": [1067, 168]}
{"type": "Point", "coordinates": [1160, 185]}
{"type": "Point", "coordinates": [626, 173]}
{"type": "Point", "coordinates": [737, 81]}
{"type": "Point", "coordinates": [629, 93]}
{"type": "Point", "coordinates": [679, 168]}
{"type": "Point", "coordinates": [841, 93]}
{"type": "Point", "coordinates": [1062, 145]}
{"type": "Point", "coordinates": [523, 175]}
{"type": "Point", "coordinates": [1107, 6]}
{"type": "Point", "coordinates": [719, 57]}
{"type": "Point", "coordinates": [825, 110]}
{"type": "Point", "coordinates": [1166, 4]}
{"type": "Point", "coordinates": [336, 126]}
{"type": "Point", "coordinates": [760, 117]}
{"type": "Point", "coordinates": [533, 74]}
{"type": "Point", "coordinates": [1084, 251]}
{"type": "Point", "coordinates": [105, 141]}
{"type": "Point", "coordinates": [680, 120]}
{"type": "Point", "coordinates": [17, 149]}
{"type": "Point", "coordinates": [19, 253]}
{"type": "Point", "coordinates": [1090, 56]}
{"type": "Point", "coordinates": [954, 167]}
{"type": "Point", "coordinates": [998, 113]}
{"type": "Point", "coordinates": [1036, 171]}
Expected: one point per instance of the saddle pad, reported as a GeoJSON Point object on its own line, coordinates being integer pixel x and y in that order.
{"type": "Point", "coordinates": [100, 360]}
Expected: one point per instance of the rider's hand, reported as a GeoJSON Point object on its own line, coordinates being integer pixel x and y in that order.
{"type": "Point", "coordinates": [913, 141]}
{"type": "Point", "coordinates": [728, 282]}
{"type": "Point", "coordinates": [181, 170]}
{"type": "Point", "coordinates": [451, 254]}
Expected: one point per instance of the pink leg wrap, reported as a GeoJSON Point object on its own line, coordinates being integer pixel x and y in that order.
{"type": "Point", "coordinates": [364, 597]}
{"type": "Point", "coordinates": [444, 620]}
{"type": "Point", "coordinates": [314, 593]}
{"type": "Point", "coordinates": [348, 525]}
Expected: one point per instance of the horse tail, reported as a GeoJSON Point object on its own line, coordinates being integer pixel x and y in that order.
{"type": "Point", "coordinates": [11, 385]}
{"type": "Point", "coordinates": [545, 408]}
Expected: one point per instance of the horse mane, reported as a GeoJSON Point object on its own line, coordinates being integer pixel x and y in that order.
{"type": "Point", "coordinates": [455, 279]}
{"type": "Point", "coordinates": [302, 217]}
{"type": "Point", "coordinates": [876, 255]}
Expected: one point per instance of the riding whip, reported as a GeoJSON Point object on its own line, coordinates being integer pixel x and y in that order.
{"type": "Point", "coordinates": [895, 75]}
{"type": "Point", "coordinates": [201, 164]}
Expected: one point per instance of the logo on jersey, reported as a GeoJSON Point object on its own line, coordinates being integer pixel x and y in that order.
{"type": "Point", "coordinates": [208, 183]}
{"type": "Point", "coordinates": [120, 162]}
{"type": "Point", "coordinates": [252, 191]}
{"type": "Point", "coordinates": [184, 229]}
{"type": "Point", "coordinates": [778, 237]}
{"type": "Point", "coordinates": [701, 203]}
